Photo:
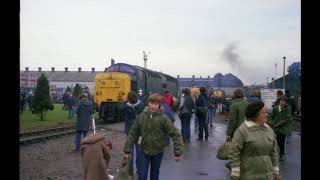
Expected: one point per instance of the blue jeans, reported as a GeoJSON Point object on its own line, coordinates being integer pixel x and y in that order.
{"type": "Point", "coordinates": [71, 112]}
{"type": "Point", "coordinates": [209, 117]}
{"type": "Point", "coordinates": [203, 125]}
{"type": "Point", "coordinates": [155, 162]}
{"type": "Point", "coordinates": [138, 152]}
{"type": "Point", "coordinates": [196, 123]}
{"type": "Point", "coordinates": [78, 138]}
{"type": "Point", "coordinates": [185, 127]}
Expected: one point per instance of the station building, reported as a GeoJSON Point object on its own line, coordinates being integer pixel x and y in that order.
{"type": "Point", "coordinates": [226, 83]}
{"type": "Point", "coordinates": [58, 80]}
{"type": "Point", "coordinates": [292, 80]}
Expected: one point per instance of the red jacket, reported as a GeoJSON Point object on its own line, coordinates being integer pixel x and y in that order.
{"type": "Point", "coordinates": [168, 99]}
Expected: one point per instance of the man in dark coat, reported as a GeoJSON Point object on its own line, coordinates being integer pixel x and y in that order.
{"type": "Point", "coordinates": [71, 103]}
{"type": "Point", "coordinates": [130, 111]}
{"type": "Point", "coordinates": [22, 101]}
{"type": "Point", "coordinates": [65, 99]}
{"type": "Point", "coordinates": [202, 104]}
{"type": "Point", "coordinates": [290, 101]}
{"type": "Point", "coordinates": [84, 113]}
{"type": "Point", "coordinates": [29, 99]}
{"type": "Point", "coordinates": [95, 156]}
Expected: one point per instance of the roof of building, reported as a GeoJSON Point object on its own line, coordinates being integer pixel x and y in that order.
{"type": "Point", "coordinates": [219, 80]}
{"type": "Point", "coordinates": [62, 76]}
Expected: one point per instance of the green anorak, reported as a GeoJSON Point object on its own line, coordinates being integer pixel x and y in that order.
{"type": "Point", "coordinates": [281, 119]}
{"type": "Point", "coordinates": [150, 130]}
{"type": "Point", "coordinates": [236, 115]}
{"type": "Point", "coordinates": [253, 152]}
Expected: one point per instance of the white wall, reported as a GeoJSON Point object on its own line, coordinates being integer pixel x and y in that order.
{"type": "Point", "coordinates": [64, 85]}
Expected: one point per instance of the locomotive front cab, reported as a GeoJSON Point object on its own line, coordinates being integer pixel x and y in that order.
{"type": "Point", "coordinates": [110, 91]}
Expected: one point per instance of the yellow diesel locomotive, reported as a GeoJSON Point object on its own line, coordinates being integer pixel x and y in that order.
{"type": "Point", "coordinates": [112, 86]}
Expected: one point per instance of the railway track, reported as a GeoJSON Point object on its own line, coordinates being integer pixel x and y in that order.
{"type": "Point", "coordinates": [46, 134]}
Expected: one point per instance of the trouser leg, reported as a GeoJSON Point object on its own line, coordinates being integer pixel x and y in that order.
{"type": "Point", "coordinates": [155, 166]}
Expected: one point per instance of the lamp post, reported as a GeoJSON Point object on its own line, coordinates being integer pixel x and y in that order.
{"type": "Point", "coordinates": [273, 83]}
{"type": "Point", "coordinates": [145, 58]}
{"type": "Point", "coordinates": [284, 71]}
{"type": "Point", "coordinates": [192, 80]}
{"type": "Point", "coordinates": [275, 71]}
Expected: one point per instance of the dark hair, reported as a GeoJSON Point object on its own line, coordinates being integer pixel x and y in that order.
{"type": "Point", "coordinates": [187, 92]}
{"type": "Point", "coordinates": [253, 108]}
{"type": "Point", "coordinates": [238, 93]}
{"type": "Point", "coordinates": [279, 92]}
{"type": "Point", "coordinates": [132, 97]}
{"type": "Point", "coordinates": [287, 92]}
{"type": "Point", "coordinates": [202, 89]}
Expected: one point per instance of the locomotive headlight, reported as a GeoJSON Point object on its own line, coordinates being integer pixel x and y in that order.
{"type": "Point", "coordinates": [120, 95]}
{"type": "Point", "coordinates": [116, 83]}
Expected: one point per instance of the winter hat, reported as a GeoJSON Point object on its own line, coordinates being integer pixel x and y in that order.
{"type": "Point", "coordinates": [253, 109]}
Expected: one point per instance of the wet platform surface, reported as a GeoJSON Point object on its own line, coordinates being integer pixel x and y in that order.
{"type": "Point", "coordinates": [199, 160]}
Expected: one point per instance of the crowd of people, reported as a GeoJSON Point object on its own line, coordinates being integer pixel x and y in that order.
{"type": "Point", "coordinates": [25, 99]}
{"type": "Point", "coordinates": [253, 133]}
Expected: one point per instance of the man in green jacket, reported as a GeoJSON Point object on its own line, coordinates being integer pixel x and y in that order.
{"type": "Point", "coordinates": [281, 121]}
{"type": "Point", "coordinates": [151, 128]}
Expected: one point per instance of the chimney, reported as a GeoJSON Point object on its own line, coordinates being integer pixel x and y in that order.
{"type": "Point", "coordinates": [112, 62]}
{"type": "Point", "coordinates": [27, 69]}
{"type": "Point", "coordinates": [79, 69]}
{"type": "Point", "coordinates": [92, 69]}
{"type": "Point", "coordinates": [39, 69]}
{"type": "Point", "coordinates": [178, 76]}
{"type": "Point", "coordinates": [200, 77]}
{"type": "Point", "coordinates": [66, 69]}
{"type": "Point", "coordinates": [52, 69]}
{"type": "Point", "coordinates": [208, 77]}
{"type": "Point", "coordinates": [192, 76]}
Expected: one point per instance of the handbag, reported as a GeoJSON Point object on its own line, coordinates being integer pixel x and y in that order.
{"type": "Point", "coordinates": [223, 151]}
{"type": "Point", "coordinates": [124, 171]}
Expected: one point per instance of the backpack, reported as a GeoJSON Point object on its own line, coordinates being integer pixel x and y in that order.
{"type": "Point", "coordinates": [184, 109]}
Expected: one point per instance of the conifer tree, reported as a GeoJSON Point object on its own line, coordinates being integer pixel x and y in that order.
{"type": "Point", "coordinates": [77, 91]}
{"type": "Point", "coordinates": [41, 102]}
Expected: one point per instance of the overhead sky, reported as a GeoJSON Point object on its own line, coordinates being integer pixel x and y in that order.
{"type": "Point", "coordinates": [184, 37]}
